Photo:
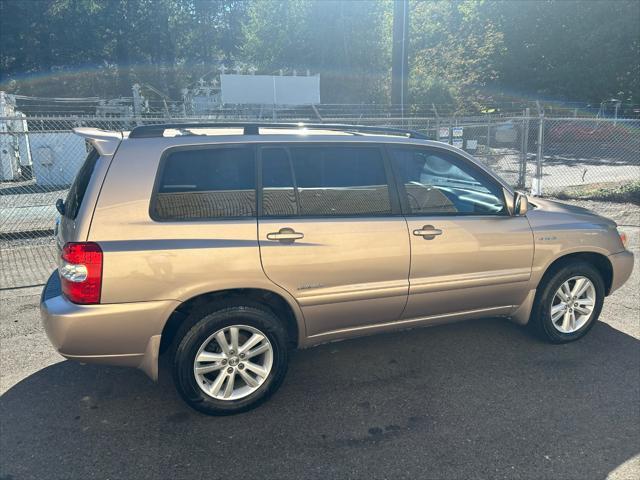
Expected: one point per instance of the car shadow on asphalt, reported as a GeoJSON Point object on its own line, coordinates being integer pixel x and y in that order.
{"type": "Point", "coordinates": [475, 399]}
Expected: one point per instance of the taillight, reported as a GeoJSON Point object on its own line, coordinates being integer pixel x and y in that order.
{"type": "Point", "coordinates": [623, 238]}
{"type": "Point", "coordinates": [81, 272]}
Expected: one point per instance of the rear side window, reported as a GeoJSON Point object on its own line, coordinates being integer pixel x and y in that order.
{"type": "Point", "coordinates": [79, 186]}
{"type": "Point", "coordinates": [200, 184]}
{"type": "Point", "coordinates": [279, 197]}
{"type": "Point", "coordinates": [324, 181]}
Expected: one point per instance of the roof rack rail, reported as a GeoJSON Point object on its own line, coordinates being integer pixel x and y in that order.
{"type": "Point", "coordinates": [253, 128]}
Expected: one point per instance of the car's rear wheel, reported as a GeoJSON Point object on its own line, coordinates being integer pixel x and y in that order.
{"type": "Point", "coordinates": [568, 302]}
{"type": "Point", "coordinates": [231, 359]}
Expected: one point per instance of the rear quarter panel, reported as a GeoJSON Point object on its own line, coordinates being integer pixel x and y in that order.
{"type": "Point", "coordinates": [145, 260]}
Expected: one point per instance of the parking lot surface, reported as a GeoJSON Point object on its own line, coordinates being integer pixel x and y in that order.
{"type": "Point", "coordinates": [480, 399]}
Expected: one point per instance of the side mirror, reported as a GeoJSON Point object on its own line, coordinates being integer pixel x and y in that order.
{"type": "Point", "coordinates": [60, 206]}
{"type": "Point", "coordinates": [520, 204]}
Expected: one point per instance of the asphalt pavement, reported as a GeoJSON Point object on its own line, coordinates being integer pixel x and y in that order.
{"type": "Point", "coordinates": [478, 399]}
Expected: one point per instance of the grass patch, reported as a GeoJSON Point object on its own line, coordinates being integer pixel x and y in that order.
{"type": "Point", "coordinates": [605, 192]}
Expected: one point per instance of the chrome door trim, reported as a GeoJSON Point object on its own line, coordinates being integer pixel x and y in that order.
{"type": "Point", "coordinates": [439, 284]}
{"type": "Point", "coordinates": [407, 323]}
{"type": "Point", "coordinates": [324, 296]}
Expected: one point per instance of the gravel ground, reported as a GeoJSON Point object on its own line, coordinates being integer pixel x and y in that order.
{"type": "Point", "coordinates": [480, 399]}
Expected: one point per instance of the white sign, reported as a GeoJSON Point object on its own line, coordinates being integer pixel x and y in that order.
{"type": "Point", "coordinates": [458, 131]}
{"type": "Point", "coordinates": [443, 132]}
{"type": "Point", "coordinates": [457, 143]}
{"type": "Point", "coordinates": [472, 144]}
{"type": "Point", "coordinates": [270, 89]}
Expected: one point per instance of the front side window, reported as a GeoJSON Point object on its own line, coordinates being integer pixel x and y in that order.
{"type": "Point", "coordinates": [438, 183]}
{"type": "Point", "coordinates": [324, 181]}
{"type": "Point", "coordinates": [206, 184]}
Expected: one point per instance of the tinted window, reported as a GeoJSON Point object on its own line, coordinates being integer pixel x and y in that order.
{"type": "Point", "coordinates": [206, 183]}
{"type": "Point", "coordinates": [79, 186]}
{"type": "Point", "coordinates": [278, 192]}
{"type": "Point", "coordinates": [324, 181]}
{"type": "Point", "coordinates": [440, 183]}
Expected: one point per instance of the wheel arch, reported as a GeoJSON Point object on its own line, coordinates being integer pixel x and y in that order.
{"type": "Point", "coordinates": [598, 260]}
{"type": "Point", "coordinates": [280, 306]}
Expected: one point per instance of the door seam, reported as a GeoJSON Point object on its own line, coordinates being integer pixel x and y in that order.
{"type": "Point", "coordinates": [406, 302]}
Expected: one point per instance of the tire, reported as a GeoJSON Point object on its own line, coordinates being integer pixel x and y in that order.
{"type": "Point", "coordinates": [541, 319]}
{"type": "Point", "coordinates": [198, 339]}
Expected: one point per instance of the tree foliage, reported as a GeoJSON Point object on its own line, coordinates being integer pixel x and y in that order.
{"type": "Point", "coordinates": [348, 43]}
{"type": "Point", "coordinates": [578, 50]}
{"type": "Point", "coordinates": [455, 47]}
{"type": "Point", "coordinates": [462, 51]}
{"type": "Point", "coordinates": [96, 47]}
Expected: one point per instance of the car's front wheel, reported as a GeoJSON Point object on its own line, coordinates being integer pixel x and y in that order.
{"type": "Point", "coordinates": [231, 360]}
{"type": "Point", "coordinates": [568, 302]}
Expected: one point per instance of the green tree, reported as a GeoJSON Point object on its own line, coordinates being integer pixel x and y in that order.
{"type": "Point", "coordinates": [92, 47]}
{"type": "Point", "coordinates": [462, 52]}
{"type": "Point", "coordinates": [567, 49]}
{"type": "Point", "coordinates": [454, 48]}
{"type": "Point", "coordinates": [347, 42]}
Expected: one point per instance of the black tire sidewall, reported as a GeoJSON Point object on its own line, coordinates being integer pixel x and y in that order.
{"type": "Point", "coordinates": [550, 285]}
{"type": "Point", "coordinates": [185, 381]}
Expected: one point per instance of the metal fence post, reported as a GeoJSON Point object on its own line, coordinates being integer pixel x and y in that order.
{"type": "Point", "coordinates": [536, 187]}
{"type": "Point", "coordinates": [522, 174]}
{"type": "Point", "coordinates": [137, 103]}
{"type": "Point", "coordinates": [4, 110]}
{"type": "Point", "coordinates": [435, 112]}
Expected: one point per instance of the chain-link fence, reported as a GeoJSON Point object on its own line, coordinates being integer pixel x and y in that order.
{"type": "Point", "coordinates": [549, 156]}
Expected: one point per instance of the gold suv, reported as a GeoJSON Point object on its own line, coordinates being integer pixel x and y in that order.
{"type": "Point", "coordinates": [226, 245]}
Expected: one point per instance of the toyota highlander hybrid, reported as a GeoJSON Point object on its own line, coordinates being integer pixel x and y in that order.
{"type": "Point", "coordinates": [228, 245]}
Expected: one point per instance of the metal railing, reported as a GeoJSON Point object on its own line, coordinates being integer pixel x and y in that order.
{"type": "Point", "coordinates": [39, 157]}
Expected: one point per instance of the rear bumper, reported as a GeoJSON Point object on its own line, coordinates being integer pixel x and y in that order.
{"type": "Point", "coordinates": [622, 264]}
{"type": "Point", "coordinates": [124, 334]}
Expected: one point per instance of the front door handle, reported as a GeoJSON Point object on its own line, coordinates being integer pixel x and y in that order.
{"type": "Point", "coordinates": [285, 235]}
{"type": "Point", "coordinates": [428, 232]}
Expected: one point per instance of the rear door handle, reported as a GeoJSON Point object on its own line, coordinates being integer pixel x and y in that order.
{"type": "Point", "coordinates": [285, 235]}
{"type": "Point", "coordinates": [428, 232]}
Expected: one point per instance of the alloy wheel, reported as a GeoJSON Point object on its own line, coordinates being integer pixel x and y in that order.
{"type": "Point", "coordinates": [233, 362]}
{"type": "Point", "coordinates": [573, 304]}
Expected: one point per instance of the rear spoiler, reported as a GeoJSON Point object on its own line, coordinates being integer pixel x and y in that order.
{"type": "Point", "coordinates": [104, 141]}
